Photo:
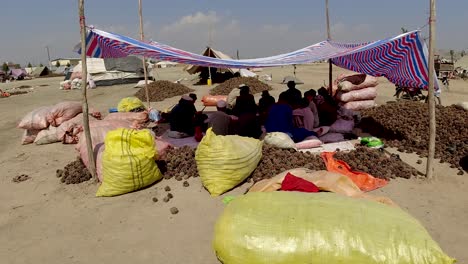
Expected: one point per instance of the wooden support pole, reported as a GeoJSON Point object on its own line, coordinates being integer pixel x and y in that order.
{"type": "Point", "coordinates": [432, 117]}
{"type": "Point", "coordinates": [84, 87]}
{"type": "Point", "coordinates": [142, 37]}
{"type": "Point", "coordinates": [330, 66]}
{"type": "Point", "coordinates": [210, 32]}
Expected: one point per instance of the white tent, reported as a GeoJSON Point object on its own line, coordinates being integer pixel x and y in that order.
{"type": "Point", "coordinates": [29, 70]}
{"type": "Point", "coordinates": [247, 73]}
{"type": "Point", "coordinates": [107, 72]}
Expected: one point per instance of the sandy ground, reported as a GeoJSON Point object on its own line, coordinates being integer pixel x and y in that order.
{"type": "Point", "coordinates": [44, 221]}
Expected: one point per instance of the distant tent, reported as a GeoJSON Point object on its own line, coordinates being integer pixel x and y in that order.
{"type": "Point", "coordinates": [29, 70]}
{"type": "Point", "coordinates": [112, 71]}
{"type": "Point", "coordinates": [40, 71]}
{"type": "Point", "coordinates": [18, 74]}
{"type": "Point", "coordinates": [292, 78]}
{"type": "Point", "coordinates": [61, 70]}
{"type": "Point", "coordinates": [217, 74]}
{"type": "Point", "coordinates": [209, 52]}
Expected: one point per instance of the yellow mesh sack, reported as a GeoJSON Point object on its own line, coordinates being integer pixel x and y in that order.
{"type": "Point", "coordinates": [225, 161]}
{"type": "Point", "coordinates": [128, 162]}
{"type": "Point", "coordinates": [295, 227]}
{"type": "Point", "coordinates": [127, 104]}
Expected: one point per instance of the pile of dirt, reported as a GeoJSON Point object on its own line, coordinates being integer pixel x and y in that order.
{"type": "Point", "coordinates": [226, 87]}
{"type": "Point", "coordinates": [377, 163]}
{"type": "Point", "coordinates": [75, 172]}
{"type": "Point", "coordinates": [21, 178]}
{"type": "Point", "coordinates": [16, 92]}
{"type": "Point", "coordinates": [179, 163]}
{"type": "Point", "coordinates": [275, 160]}
{"type": "Point", "coordinates": [405, 125]}
{"type": "Point", "coordinates": [160, 90]}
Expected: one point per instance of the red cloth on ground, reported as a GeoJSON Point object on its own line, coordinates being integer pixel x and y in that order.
{"type": "Point", "coordinates": [293, 183]}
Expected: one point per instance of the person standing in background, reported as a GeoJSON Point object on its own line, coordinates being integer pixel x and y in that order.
{"type": "Point", "coordinates": [293, 94]}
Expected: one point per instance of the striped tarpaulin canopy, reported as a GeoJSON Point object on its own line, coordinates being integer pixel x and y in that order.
{"type": "Point", "coordinates": [401, 59]}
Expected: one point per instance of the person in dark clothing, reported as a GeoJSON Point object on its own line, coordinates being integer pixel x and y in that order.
{"type": "Point", "coordinates": [327, 107]}
{"type": "Point", "coordinates": [280, 116]}
{"type": "Point", "coordinates": [246, 111]}
{"type": "Point", "coordinates": [293, 94]}
{"type": "Point", "coordinates": [193, 96]}
{"type": "Point", "coordinates": [311, 93]}
{"type": "Point", "coordinates": [265, 102]}
{"type": "Point", "coordinates": [194, 99]}
{"type": "Point", "coordinates": [182, 118]}
{"type": "Point", "coordinates": [264, 105]}
{"type": "Point", "coordinates": [245, 102]}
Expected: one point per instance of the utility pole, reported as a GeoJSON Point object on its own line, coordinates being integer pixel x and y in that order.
{"type": "Point", "coordinates": [330, 66]}
{"type": "Point", "coordinates": [432, 117]}
{"type": "Point", "coordinates": [48, 56]}
{"type": "Point", "coordinates": [142, 37]}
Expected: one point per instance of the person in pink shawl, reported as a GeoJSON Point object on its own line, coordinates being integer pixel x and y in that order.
{"type": "Point", "coordinates": [303, 116]}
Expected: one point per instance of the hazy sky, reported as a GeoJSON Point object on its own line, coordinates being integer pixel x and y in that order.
{"type": "Point", "coordinates": [256, 28]}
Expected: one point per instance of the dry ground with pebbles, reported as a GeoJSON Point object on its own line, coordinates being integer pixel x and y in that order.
{"type": "Point", "coordinates": [45, 221]}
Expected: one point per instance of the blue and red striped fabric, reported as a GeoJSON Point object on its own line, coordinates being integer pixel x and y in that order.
{"type": "Point", "coordinates": [401, 59]}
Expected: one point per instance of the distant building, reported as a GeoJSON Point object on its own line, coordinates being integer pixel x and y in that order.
{"type": "Point", "coordinates": [12, 65]}
{"type": "Point", "coordinates": [65, 61]}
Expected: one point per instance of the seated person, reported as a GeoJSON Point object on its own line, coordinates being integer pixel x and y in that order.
{"type": "Point", "coordinates": [245, 102]}
{"type": "Point", "coordinates": [246, 111]}
{"type": "Point", "coordinates": [266, 101]}
{"type": "Point", "coordinates": [280, 119]}
{"type": "Point", "coordinates": [310, 96]}
{"type": "Point", "coordinates": [181, 118]}
{"type": "Point", "coordinates": [303, 116]}
{"type": "Point", "coordinates": [280, 116]}
{"type": "Point", "coordinates": [194, 99]}
{"type": "Point", "coordinates": [219, 121]}
{"type": "Point", "coordinates": [264, 104]}
{"type": "Point", "coordinates": [327, 107]}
